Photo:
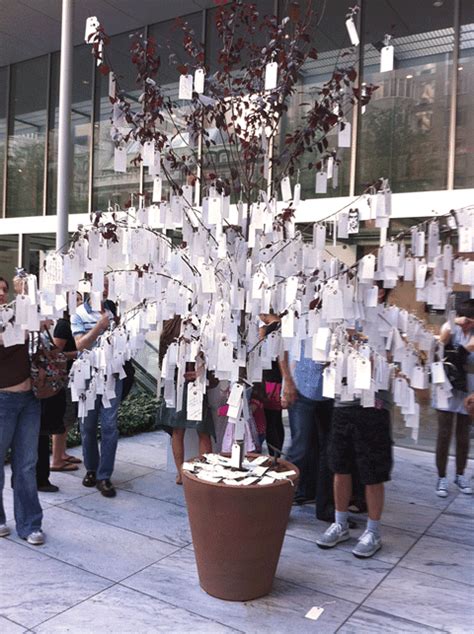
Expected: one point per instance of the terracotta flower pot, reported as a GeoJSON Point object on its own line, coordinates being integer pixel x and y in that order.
{"type": "Point", "coordinates": [238, 533]}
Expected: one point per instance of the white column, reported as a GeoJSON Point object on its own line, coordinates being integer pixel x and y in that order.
{"type": "Point", "coordinates": [64, 127]}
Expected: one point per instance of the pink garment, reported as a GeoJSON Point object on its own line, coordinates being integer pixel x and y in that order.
{"type": "Point", "coordinates": [259, 416]}
{"type": "Point", "coordinates": [272, 396]}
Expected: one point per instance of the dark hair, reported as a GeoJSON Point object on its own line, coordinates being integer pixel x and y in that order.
{"type": "Point", "coordinates": [466, 309]}
{"type": "Point", "coordinates": [386, 291]}
{"type": "Point", "coordinates": [2, 279]}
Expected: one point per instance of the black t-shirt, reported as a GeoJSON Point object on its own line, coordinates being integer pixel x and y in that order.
{"type": "Point", "coordinates": [62, 330]}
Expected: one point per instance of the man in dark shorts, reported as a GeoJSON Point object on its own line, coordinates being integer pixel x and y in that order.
{"type": "Point", "coordinates": [361, 438]}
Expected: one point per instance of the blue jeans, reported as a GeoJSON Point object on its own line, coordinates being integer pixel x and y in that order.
{"type": "Point", "coordinates": [310, 424]}
{"type": "Point", "coordinates": [102, 463]}
{"type": "Point", "coordinates": [19, 429]}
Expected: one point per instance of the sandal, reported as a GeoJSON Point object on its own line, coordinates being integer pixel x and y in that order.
{"type": "Point", "coordinates": [73, 460]}
{"type": "Point", "coordinates": [66, 466]}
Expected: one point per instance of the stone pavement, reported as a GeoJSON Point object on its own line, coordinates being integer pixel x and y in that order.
{"type": "Point", "coordinates": [126, 564]}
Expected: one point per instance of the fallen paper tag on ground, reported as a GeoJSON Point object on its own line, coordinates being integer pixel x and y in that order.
{"type": "Point", "coordinates": [314, 613]}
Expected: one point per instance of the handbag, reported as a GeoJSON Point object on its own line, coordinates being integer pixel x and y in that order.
{"type": "Point", "coordinates": [48, 369]}
{"type": "Point", "coordinates": [455, 358]}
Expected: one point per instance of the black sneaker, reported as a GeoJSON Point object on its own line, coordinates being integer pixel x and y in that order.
{"type": "Point", "coordinates": [89, 479]}
{"type": "Point", "coordinates": [106, 488]}
{"type": "Point", "coordinates": [48, 488]}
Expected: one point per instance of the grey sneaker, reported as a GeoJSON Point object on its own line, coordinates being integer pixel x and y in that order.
{"type": "Point", "coordinates": [367, 545]}
{"type": "Point", "coordinates": [442, 488]}
{"type": "Point", "coordinates": [4, 530]}
{"type": "Point", "coordinates": [463, 484]}
{"type": "Point", "coordinates": [334, 534]}
{"type": "Point", "coordinates": [36, 538]}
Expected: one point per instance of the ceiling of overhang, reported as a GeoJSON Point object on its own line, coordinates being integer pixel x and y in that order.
{"type": "Point", "coordinates": [29, 28]}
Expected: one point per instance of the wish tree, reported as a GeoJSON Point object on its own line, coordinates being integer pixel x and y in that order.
{"type": "Point", "coordinates": [215, 241]}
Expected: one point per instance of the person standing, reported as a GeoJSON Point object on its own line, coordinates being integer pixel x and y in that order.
{"type": "Point", "coordinates": [52, 417]}
{"type": "Point", "coordinates": [176, 423]}
{"type": "Point", "coordinates": [19, 431]}
{"type": "Point", "coordinates": [360, 437]}
{"type": "Point", "coordinates": [310, 417]}
{"type": "Point", "coordinates": [455, 413]}
{"type": "Point", "coordinates": [87, 325]}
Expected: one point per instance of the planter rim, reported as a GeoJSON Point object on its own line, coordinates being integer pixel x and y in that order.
{"type": "Point", "coordinates": [291, 480]}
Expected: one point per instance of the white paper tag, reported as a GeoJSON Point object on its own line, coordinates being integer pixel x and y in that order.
{"type": "Point", "coordinates": [92, 24]}
{"type": "Point", "coordinates": [386, 59]}
{"type": "Point", "coordinates": [185, 87]}
{"type": "Point", "coordinates": [314, 613]}
{"type": "Point", "coordinates": [344, 135]}
{"type": "Point", "coordinates": [271, 76]}
{"type": "Point", "coordinates": [285, 189]}
{"type": "Point", "coordinates": [120, 159]}
{"type": "Point", "coordinates": [321, 183]}
{"type": "Point", "coordinates": [157, 189]}
{"type": "Point", "coordinates": [199, 76]}
{"type": "Point", "coordinates": [352, 31]}
{"type": "Point", "coordinates": [437, 372]}
{"type": "Point", "coordinates": [194, 402]}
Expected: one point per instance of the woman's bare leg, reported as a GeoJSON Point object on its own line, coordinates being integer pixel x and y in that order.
{"type": "Point", "coordinates": [177, 445]}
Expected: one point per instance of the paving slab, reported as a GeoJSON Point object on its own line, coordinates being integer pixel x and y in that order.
{"type": "Point", "coordinates": [153, 518]}
{"type": "Point", "coordinates": [447, 559]}
{"type": "Point", "coordinates": [34, 587]}
{"type": "Point", "coordinates": [99, 548]}
{"type": "Point", "coordinates": [425, 599]}
{"type": "Point", "coordinates": [175, 580]}
{"type": "Point", "coordinates": [120, 609]}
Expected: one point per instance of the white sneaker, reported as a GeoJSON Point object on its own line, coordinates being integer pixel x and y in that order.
{"type": "Point", "coordinates": [36, 538]}
{"type": "Point", "coordinates": [333, 536]}
{"type": "Point", "coordinates": [367, 545]}
{"type": "Point", "coordinates": [442, 488]}
{"type": "Point", "coordinates": [463, 484]}
{"type": "Point", "coordinates": [4, 530]}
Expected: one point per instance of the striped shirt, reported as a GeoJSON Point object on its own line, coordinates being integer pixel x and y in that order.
{"type": "Point", "coordinates": [84, 319]}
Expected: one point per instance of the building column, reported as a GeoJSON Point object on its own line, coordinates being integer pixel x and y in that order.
{"type": "Point", "coordinates": [64, 127]}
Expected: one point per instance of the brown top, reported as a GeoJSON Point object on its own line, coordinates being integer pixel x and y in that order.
{"type": "Point", "coordinates": [14, 365]}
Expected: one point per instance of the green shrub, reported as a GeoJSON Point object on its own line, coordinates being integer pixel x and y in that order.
{"type": "Point", "coordinates": [136, 415]}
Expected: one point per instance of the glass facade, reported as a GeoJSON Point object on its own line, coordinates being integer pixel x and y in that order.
{"type": "Point", "coordinates": [81, 129]}
{"type": "Point", "coordinates": [464, 166]}
{"type": "Point", "coordinates": [404, 133]}
{"type": "Point", "coordinates": [110, 187]}
{"type": "Point", "coordinates": [27, 137]}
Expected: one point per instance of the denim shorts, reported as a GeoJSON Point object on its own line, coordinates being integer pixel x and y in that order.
{"type": "Point", "coordinates": [361, 438]}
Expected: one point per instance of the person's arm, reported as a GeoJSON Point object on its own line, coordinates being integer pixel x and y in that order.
{"type": "Point", "coordinates": [470, 345]}
{"type": "Point", "coordinates": [445, 334]}
{"type": "Point", "coordinates": [86, 340]}
{"type": "Point", "coordinates": [290, 393]}
{"type": "Point", "coordinates": [60, 345]}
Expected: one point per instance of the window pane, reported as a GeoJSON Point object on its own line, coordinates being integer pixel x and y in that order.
{"type": "Point", "coordinates": [8, 258]}
{"type": "Point", "coordinates": [404, 131]}
{"type": "Point", "coordinates": [169, 41]}
{"type": "Point", "coordinates": [464, 166]}
{"type": "Point", "coordinates": [81, 129]}
{"type": "Point", "coordinates": [26, 142]}
{"type": "Point", "coordinates": [109, 185]}
{"type": "Point", "coordinates": [328, 37]}
{"type": "Point", "coordinates": [3, 126]}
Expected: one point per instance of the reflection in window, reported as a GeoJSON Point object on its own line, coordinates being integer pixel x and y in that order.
{"type": "Point", "coordinates": [329, 37]}
{"type": "Point", "coordinates": [169, 42]}
{"type": "Point", "coordinates": [110, 186]}
{"type": "Point", "coordinates": [26, 142]}
{"type": "Point", "coordinates": [3, 126]}
{"type": "Point", "coordinates": [8, 257]}
{"type": "Point", "coordinates": [404, 131]}
{"type": "Point", "coordinates": [464, 166]}
{"type": "Point", "coordinates": [81, 112]}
